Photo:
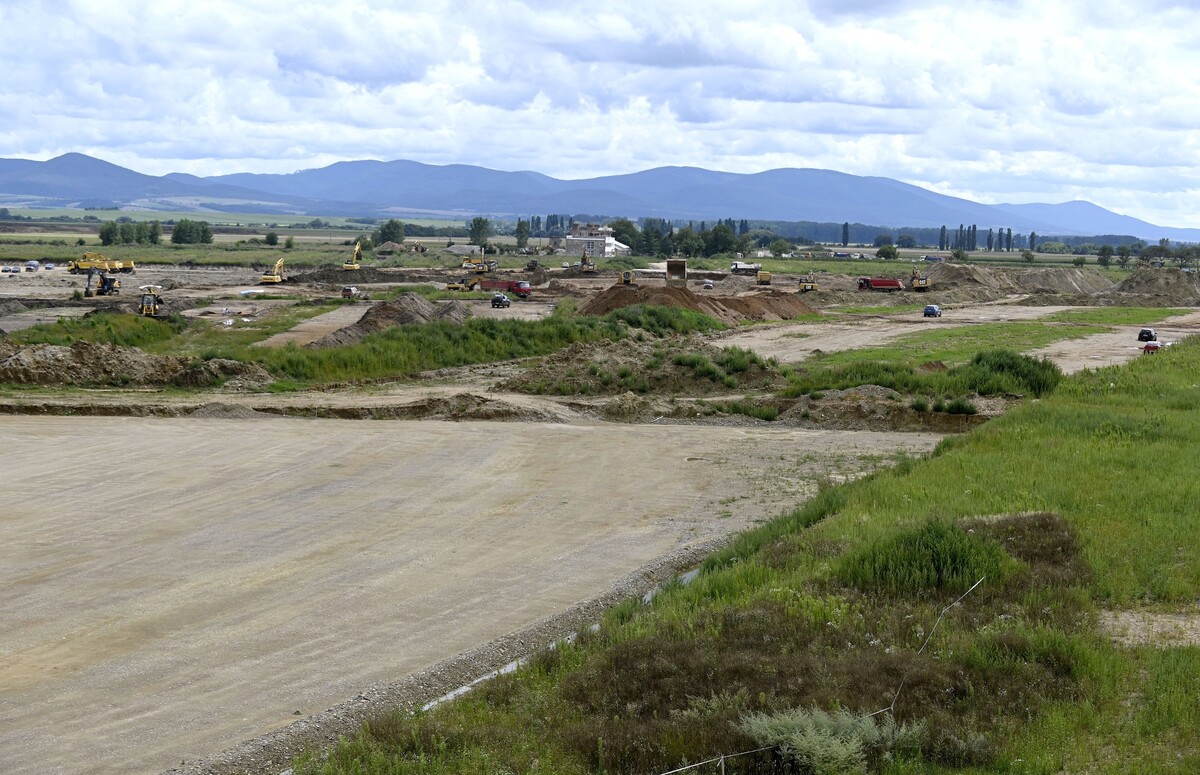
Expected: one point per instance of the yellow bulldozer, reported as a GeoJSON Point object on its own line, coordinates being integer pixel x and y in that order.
{"type": "Point", "coordinates": [274, 276]}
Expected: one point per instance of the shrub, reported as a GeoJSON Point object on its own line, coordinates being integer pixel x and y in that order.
{"type": "Point", "coordinates": [920, 404]}
{"type": "Point", "coordinates": [961, 405]}
{"type": "Point", "coordinates": [933, 556]}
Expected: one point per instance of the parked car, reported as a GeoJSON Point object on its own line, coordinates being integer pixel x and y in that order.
{"type": "Point", "coordinates": [1151, 347]}
{"type": "Point", "coordinates": [1147, 335]}
{"type": "Point", "coordinates": [500, 300]}
{"type": "Point", "coordinates": [933, 311]}
{"type": "Point", "coordinates": [48, 267]}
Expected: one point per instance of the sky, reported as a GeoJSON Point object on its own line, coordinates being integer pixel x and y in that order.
{"type": "Point", "coordinates": [1046, 101]}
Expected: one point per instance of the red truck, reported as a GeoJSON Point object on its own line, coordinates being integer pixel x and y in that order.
{"type": "Point", "coordinates": [518, 288]}
{"type": "Point", "coordinates": [880, 284]}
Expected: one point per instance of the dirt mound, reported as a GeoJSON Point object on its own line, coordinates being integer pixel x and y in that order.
{"type": "Point", "coordinates": [85, 363]}
{"type": "Point", "coordinates": [234, 374]}
{"type": "Point", "coordinates": [223, 411]}
{"type": "Point", "coordinates": [339, 276]}
{"type": "Point", "coordinates": [1160, 287]}
{"type": "Point", "coordinates": [648, 367]}
{"type": "Point", "coordinates": [1001, 281]}
{"type": "Point", "coordinates": [771, 305]}
{"type": "Point", "coordinates": [11, 307]}
{"type": "Point", "coordinates": [405, 308]}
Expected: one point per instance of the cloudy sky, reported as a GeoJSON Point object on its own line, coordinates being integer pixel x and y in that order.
{"type": "Point", "coordinates": [1043, 101]}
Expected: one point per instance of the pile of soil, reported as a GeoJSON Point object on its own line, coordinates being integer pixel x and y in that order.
{"type": "Point", "coordinates": [769, 305]}
{"type": "Point", "coordinates": [630, 366]}
{"type": "Point", "coordinates": [405, 308]}
{"type": "Point", "coordinates": [222, 411]}
{"type": "Point", "coordinates": [338, 276]}
{"type": "Point", "coordinates": [11, 307]}
{"type": "Point", "coordinates": [87, 363]}
{"type": "Point", "coordinates": [1157, 288]}
{"type": "Point", "coordinates": [1001, 281]}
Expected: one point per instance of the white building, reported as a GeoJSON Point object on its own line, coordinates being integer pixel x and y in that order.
{"type": "Point", "coordinates": [597, 241]}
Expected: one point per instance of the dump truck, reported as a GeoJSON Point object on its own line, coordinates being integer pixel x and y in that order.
{"type": "Point", "coordinates": [763, 278]}
{"type": "Point", "coordinates": [880, 284]}
{"type": "Point", "coordinates": [99, 262]}
{"type": "Point", "coordinates": [741, 267]}
{"type": "Point", "coordinates": [479, 264]}
{"type": "Point", "coordinates": [518, 288]}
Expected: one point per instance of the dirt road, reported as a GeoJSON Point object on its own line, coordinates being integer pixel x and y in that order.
{"type": "Point", "coordinates": [791, 343]}
{"type": "Point", "coordinates": [173, 587]}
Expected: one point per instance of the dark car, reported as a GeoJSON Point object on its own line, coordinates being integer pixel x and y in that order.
{"type": "Point", "coordinates": [500, 300]}
{"type": "Point", "coordinates": [933, 311]}
{"type": "Point", "coordinates": [1147, 335]}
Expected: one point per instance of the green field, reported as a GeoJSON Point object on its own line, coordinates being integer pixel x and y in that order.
{"type": "Point", "coordinates": [958, 594]}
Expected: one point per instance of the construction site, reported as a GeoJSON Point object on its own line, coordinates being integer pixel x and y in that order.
{"type": "Point", "coordinates": [207, 569]}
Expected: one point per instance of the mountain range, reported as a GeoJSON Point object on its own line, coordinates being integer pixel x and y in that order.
{"type": "Point", "coordinates": [407, 188]}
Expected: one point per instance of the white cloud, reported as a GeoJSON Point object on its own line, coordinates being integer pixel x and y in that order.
{"type": "Point", "coordinates": [999, 101]}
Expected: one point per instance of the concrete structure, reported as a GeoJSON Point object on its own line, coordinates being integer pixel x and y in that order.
{"type": "Point", "coordinates": [594, 240]}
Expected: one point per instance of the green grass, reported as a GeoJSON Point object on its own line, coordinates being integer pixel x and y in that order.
{"type": "Point", "coordinates": [847, 605]}
{"type": "Point", "coordinates": [109, 328]}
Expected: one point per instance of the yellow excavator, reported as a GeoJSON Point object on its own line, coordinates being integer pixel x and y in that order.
{"type": "Point", "coordinates": [106, 286]}
{"type": "Point", "coordinates": [919, 281]}
{"type": "Point", "coordinates": [808, 282]}
{"type": "Point", "coordinates": [350, 264]}
{"type": "Point", "coordinates": [274, 276]}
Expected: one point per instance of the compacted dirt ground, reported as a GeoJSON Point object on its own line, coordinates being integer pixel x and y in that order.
{"type": "Point", "coordinates": [179, 586]}
{"type": "Point", "coordinates": [175, 586]}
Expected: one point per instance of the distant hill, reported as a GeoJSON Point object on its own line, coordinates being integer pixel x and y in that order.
{"type": "Point", "coordinates": [397, 188]}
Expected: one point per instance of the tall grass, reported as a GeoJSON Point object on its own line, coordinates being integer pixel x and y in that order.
{"type": "Point", "coordinates": [104, 327]}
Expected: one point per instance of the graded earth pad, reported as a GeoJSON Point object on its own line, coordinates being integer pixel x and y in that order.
{"type": "Point", "coordinates": [216, 579]}
{"type": "Point", "coordinates": [87, 363]}
{"type": "Point", "coordinates": [766, 305]}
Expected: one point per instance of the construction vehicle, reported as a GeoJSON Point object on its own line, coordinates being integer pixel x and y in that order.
{"type": "Point", "coordinates": [532, 265]}
{"type": "Point", "coordinates": [519, 288]}
{"type": "Point", "coordinates": [479, 264]}
{"type": "Point", "coordinates": [463, 284]}
{"type": "Point", "coordinates": [918, 282]}
{"type": "Point", "coordinates": [808, 282]}
{"type": "Point", "coordinates": [106, 286]}
{"type": "Point", "coordinates": [97, 261]}
{"type": "Point", "coordinates": [880, 284]}
{"type": "Point", "coordinates": [351, 264]}
{"type": "Point", "coordinates": [627, 277]}
{"type": "Point", "coordinates": [151, 304]}
{"type": "Point", "coordinates": [741, 267]}
{"type": "Point", "coordinates": [763, 278]}
{"type": "Point", "coordinates": [274, 276]}
{"type": "Point", "coordinates": [587, 265]}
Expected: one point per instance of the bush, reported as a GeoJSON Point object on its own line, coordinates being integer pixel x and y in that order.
{"type": "Point", "coordinates": [961, 406]}
{"type": "Point", "coordinates": [920, 404]}
{"type": "Point", "coordinates": [933, 556]}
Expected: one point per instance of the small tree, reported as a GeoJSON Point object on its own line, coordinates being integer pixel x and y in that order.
{"type": "Point", "coordinates": [1104, 256]}
{"type": "Point", "coordinates": [959, 255]}
{"type": "Point", "coordinates": [110, 232]}
{"type": "Point", "coordinates": [1079, 261]}
{"type": "Point", "coordinates": [906, 241]}
{"type": "Point", "coordinates": [1027, 255]}
{"type": "Point", "coordinates": [779, 247]}
{"type": "Point", "coordinates": [289, 243]}
{"type": "Point", "coordinates": [888, 252]}
{"type": "Point", "coordinates": [272, 238]}
{"type": "Point", "coordinates": [845, 233]}
{"type": "Point", "coordinates": [391, 231]}
{"type": "Point", "coordinates": [883, 239]}
{"type": "Point", "coordinates": [479, 231]}
{"type": "Point", "coordinates": [522, 234]}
